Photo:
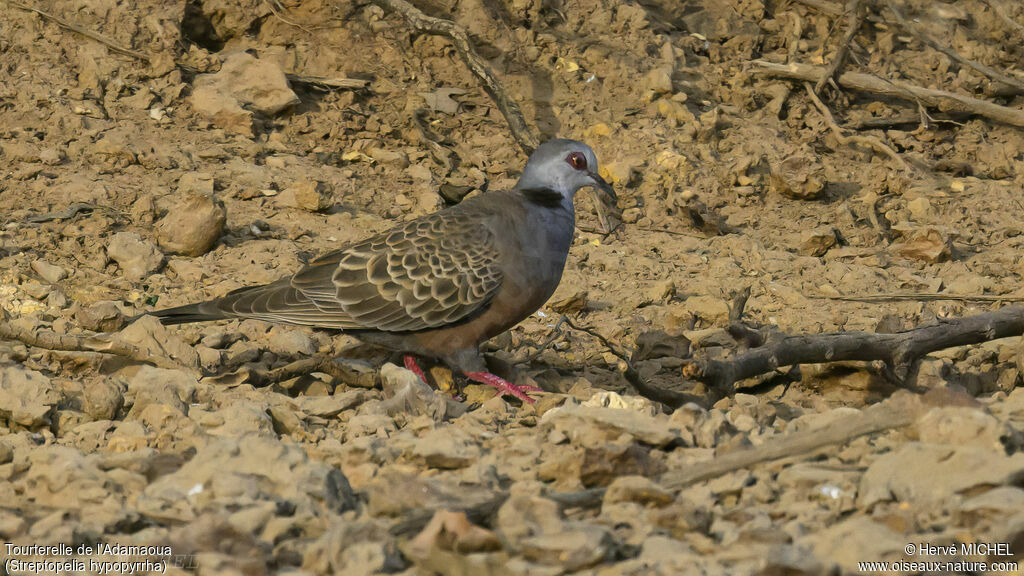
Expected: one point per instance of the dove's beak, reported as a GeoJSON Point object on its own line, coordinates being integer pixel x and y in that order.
{"type": "Point", "coordinates": [607, 193]}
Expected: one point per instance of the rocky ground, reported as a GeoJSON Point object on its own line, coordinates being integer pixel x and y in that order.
{"type": "Point", "coordinates": [192, 165]}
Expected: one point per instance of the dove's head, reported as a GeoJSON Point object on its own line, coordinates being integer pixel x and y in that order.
{"type": "Point", "coordinates": [563, 166]}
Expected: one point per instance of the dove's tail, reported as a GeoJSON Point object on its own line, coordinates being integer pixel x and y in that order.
{"type": "Point", "coordinates": [264, 302]}
{"type": "Point", "coordinates": [202, 312]}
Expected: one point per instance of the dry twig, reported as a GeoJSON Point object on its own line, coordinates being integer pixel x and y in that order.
{"type": "Point", "coordinates": [935, 45]}
{"type": "Point", "coordinates": [328, 83]}
{"type": "Point", "coordinates": [844, 140]}
{"type": "Point", "coordinates": [517, 124]}
{"type": "Point", "coordinates": [83, 31]}
{"type": "Point", "coordinates": [335, 368]}
{"type": "Point", "coordinates": [460, 39]}
{"type": "Point", "coordinates": [925, 297]}
{"type": "Point", "coordinates": [1002, 14]}
{"type": "Point", "coordinates": [897, 89]}
{"type": "Point", "coordinates": [902, 409]}
{"type": "Point", "coordinates": [899, 351]}
{"type": "Point", "coordinates": [49, 340]}
{"type": "Point", "coordinates": [852, 26]}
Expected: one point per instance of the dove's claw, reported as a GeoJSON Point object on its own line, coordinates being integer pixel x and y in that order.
{"type": "Point", "coordinates": [410, 364]}
{"type": "Point", "coordinates": [504, 386]}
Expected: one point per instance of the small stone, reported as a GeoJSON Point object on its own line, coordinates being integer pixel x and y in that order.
{"type": "Point", "coordinates": [330, 406]}
{"type": "Point", "coordinates": [51, 156]}
{"type": "Point", "coordinates": [621, 172]}
{"type": "Point", "coordinates": [579, 546]}
{"type": "Point", "coordinates": [660, 291]}
{"type": "Point", "coordinates": [928, 244]}
{"type": "Point", "coordinates": [101, 317]}
{"type": "Point", "coordinates": [708, 308]}
{"type": "Point", "coordinates": [26, 398]}
{"type": "Point", "coordinates": [102, 400]}
{"type": "Point", "coordinates": [243, 84]}
{"type": "Point", "coordinates": [222, 110]}
{"type": "Point", "coordinates": [919, 208]}
{"type": "Point", "coordinates": [399, 159]}
{"type": "Point", "coordinates": [309, 195]}
{"type": "Point", "coordinates": [193, 225]}
{"type": "Point", "coordinates": [49, 272]}
{"type": "Point", "coordinates": [637, 489]}
{"type": "Point", "coordinates": [962, 426]}
{"type": "Point", "coordinates": [524, 516]}
{"type": "Point", "coordinates": [573, 421]}
{"type": "Point", "coordinates": [11, 525]}
{"type": "Point", "coordinates": [932, 474]}
{"type": "Point", "coordinates": [657, 81]}
{"type": "Point", "coordinates": [798, 176]}
{"type": "Point", "coordinates": [406, 393]}
{"type": "Point", "coordinates": [599, 129]}
{"type": "Point", "coordinates": [451, 531]}
{"type": "Point", "coordinates": [36, 291]}
{"type": "Point", "coordinates": [57, 298]}
{"type": "Point", "coordinates": [818, 241]}
{"type": "Point", "coordinates": [292, 343]}
{"type": "Point", "coordinates": [136, 256]}
{"type": "Point", "coordinates": [446, 449]}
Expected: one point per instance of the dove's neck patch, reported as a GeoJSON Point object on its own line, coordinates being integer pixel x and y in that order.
{"type": "Point", "coordinates": [544, 197]}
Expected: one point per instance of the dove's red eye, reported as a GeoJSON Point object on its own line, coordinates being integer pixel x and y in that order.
{"type": "Point", "coordinates": [577, 160]}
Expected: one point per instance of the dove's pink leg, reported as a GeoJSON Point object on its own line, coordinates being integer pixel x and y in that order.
{"type": "Point", "coordinates": [504, 386]}
{"type": "Point", "coordinates": [410, 364]}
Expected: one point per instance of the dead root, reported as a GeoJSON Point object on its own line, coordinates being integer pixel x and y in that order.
{"type": "Point", "coordinates": [898, 351]}
{"type": "Point", "coordinates": [948, 101]}
{"type": "Point", "coordinates": [460, 39]}
{"type": "Point", "coordinates": [50, 340]}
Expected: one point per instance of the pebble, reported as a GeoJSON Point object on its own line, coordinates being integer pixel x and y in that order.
{"type": "Point", "coordinates": [799, 176]}
{"type": "Point", "coordinates": [136, 256]}
{"type": "Point", "coordinates": [193, 225]}
{"type": "Point", "coordinates": [817, 242]}
{"type": "Point", "coordinates": [26, 398]}
{"type": "Point", "coordinates": [310, 195]}
{"type": "Point", "coordinates": [49, 272]}
{"type": "Point", "coordinates": [243, 85]}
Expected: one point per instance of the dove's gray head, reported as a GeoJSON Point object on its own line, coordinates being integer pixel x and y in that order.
{"type": "Point", "coordinates": [560, 167]}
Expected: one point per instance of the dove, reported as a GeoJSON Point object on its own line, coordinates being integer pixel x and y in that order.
{"type": "Point", "coordinates": [440, 285]}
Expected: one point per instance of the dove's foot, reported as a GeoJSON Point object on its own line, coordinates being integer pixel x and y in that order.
{"type": "Point", "coordinates": [504, 386]}
{"type": "Point", "coordinates": [410, 364]}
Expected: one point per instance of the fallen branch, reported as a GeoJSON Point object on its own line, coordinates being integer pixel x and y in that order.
{"type": "Point", "coordinates": [336, 368]}
{"type": "Point", "coordinates": [328, 83]}
{"type": "Point", "coordinates": [460, 39]}
{"type": "Point", "coordinates": [885, 123]}
{"type": "Point", "coordinates": [844, 140]}
{"type": "Point", "coordinates": [900, 410]}
{"type": "Point", "coordinates": [50, 340]}
{"type": "Point", "coordinates": [925, 297]}
{"type": "Point", "coordinates": [852, 26]}
{"type": "Point", "coordinates": [899, 351]}
{"type": "Point", "coordinates": [935, 45]}
{"type": "Point", "coordinates": [941, 99]}
{"type": "Point", "coordinates": [1003, 15]}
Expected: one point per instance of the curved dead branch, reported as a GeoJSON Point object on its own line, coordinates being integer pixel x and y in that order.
{"type": "Point", "coordinates": [948, 101]}
{"type": "Point", "coordinates": [460, 39]}
{"type": "Point", "coordinates": [899, 351]}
